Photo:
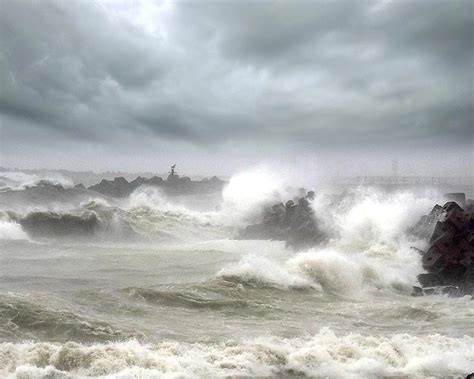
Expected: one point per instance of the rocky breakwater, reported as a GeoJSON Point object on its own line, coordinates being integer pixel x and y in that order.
{"type": "Point", "coordinates": [449, 260]}
{"type": "Point", "coordinates": [293, 222]}
{"type": "Point", "coordinates": [173, 186]}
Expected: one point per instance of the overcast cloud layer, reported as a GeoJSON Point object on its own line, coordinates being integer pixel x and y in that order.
{"type": "Point", "coordinates": [137, 84]}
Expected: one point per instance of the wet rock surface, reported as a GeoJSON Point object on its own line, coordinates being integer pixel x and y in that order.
{"type": "Point", "coordinates": [449, 260]}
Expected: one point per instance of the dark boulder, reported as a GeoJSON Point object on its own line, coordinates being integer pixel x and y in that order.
{"type": "Point", "coordinates": [449, 261]}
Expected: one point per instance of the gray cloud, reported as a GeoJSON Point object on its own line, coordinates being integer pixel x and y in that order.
{"type": "Point", "coordinates": [266, 73]}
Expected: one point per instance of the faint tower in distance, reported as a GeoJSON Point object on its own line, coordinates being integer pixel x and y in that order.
{"type": "Point", "coordinates": [395, 168]}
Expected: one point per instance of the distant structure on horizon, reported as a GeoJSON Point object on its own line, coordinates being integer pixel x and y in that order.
{"type": "Point", "coordinates": [173, 175]}
{"type": "Point", "coordinates": [445, 184]}
{"type": "Point", "coordinates": [395, 168]}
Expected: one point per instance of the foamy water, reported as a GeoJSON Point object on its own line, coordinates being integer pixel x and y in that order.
{"type": "Point", "coordinates": [163, 290]}
{"type": "Point", "coordinates": [324, 354]}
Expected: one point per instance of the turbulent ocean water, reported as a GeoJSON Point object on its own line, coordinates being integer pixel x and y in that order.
{"type": "Point", "coordinates": [162, 289]}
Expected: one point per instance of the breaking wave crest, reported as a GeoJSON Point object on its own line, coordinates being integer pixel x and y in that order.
{"type": "Point", "coordinates": [325, 354]}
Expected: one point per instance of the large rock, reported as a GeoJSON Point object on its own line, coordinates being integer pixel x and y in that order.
{"type": "Point", "coordinates": [425, 225]}
{"type": "Point", "coordinates": [449, 261]}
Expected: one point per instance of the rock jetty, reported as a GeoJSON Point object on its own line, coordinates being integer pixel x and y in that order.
{"type": "Point", "coordinates": [293, 222]}
{"type": "Point", "coordinates": [173, 185]}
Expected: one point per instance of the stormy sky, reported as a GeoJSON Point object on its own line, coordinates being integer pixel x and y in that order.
{"type": "Point", "coordinates": [217, 86]}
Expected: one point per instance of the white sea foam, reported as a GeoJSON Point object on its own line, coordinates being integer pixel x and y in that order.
{"type": "Point", "coordinates": [370, 229]}
{"type": "Point", "coordinates": [323, 355]}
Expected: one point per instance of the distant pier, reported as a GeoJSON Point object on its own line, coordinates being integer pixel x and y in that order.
{"type": "Point", "coordinates": [409, 180]}
{"type": "Point", "coordinates": [443, 183]}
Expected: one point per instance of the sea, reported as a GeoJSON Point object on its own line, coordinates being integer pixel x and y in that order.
{"type": "Point", "coordinates": [165, 289]}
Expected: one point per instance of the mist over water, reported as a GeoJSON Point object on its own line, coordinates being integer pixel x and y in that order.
{"type": "Point", "coordinates": [161, 287]}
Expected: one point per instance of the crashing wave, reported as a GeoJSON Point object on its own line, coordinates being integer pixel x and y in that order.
{"type": "Point", "coordinates": [368, 247]}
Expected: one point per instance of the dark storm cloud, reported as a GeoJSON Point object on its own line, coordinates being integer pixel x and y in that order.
{"type": "Point", "coordinates": [264, 72]}
{"type": "Point", "coordinates": [64, 64]}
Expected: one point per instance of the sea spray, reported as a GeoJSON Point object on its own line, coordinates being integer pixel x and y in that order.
{"type": "Point", "coordinates": [249, 192]}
